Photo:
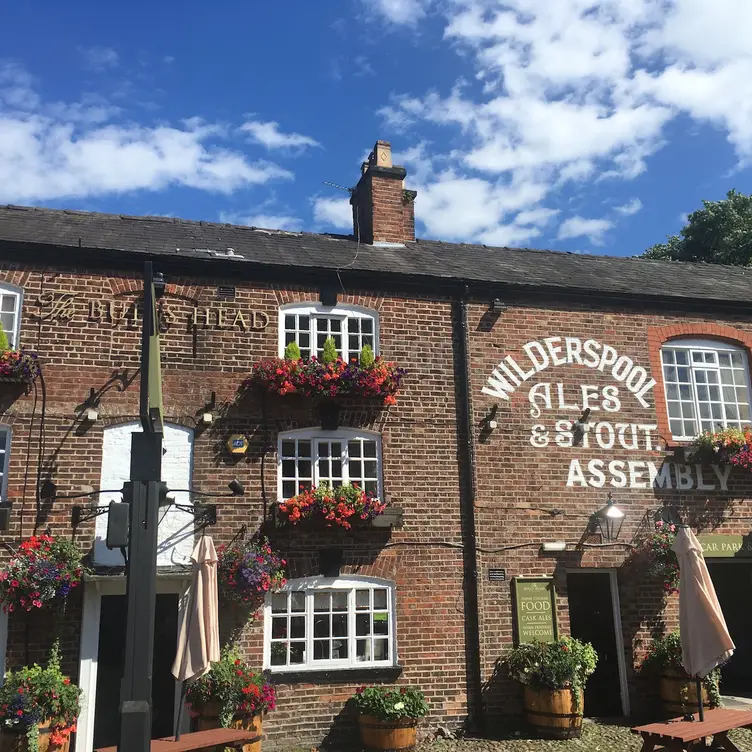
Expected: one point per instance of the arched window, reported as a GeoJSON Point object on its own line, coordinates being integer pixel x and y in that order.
{"type": "Point", "coordinates": [10, 312]}
{"type": "Point", "coordinates": [707, 386]}
{"type": "Point", "coordinates": [308, 457]}
{"type": "Point", "coordinates": [329, 623]}
{"type": "Point", "coordinates": [310, 324]}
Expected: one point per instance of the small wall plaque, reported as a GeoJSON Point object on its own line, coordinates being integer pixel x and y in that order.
{"type": "Point", "coordinates": [497, 575]}
{"type": "Point", "coordinates": [237, 444]}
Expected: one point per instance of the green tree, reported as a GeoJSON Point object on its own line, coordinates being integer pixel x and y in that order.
{"type": "Point", "coordinates": [329, 353]}
{"type": "Point", "coordinates": [292, 351]}
{"type": "Point", "coordinates": [719, 233]}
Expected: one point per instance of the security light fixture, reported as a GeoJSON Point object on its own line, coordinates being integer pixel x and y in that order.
{"type": "Point", "coordinates": [91, 415]}
{"type": "Point", "coordinates": [159, 285]}
{"type": "Point", "coordinates": [553, 546]}
{"type": "Point", "coordinates": [207, 418]}
{"type": "Point", "coordinates": [609, 520]}
{"type": "Point", "coordinates": [236, 487]}
{"type": "Point", "coordinates": [328, 296]}
{"type": "Point", "coordinates": [498, 305]}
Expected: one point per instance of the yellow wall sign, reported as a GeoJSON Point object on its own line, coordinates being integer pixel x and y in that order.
{"type": "Point", "coordinates": [237, 444]}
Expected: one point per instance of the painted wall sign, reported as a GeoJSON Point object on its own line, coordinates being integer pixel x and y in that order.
{"type": "Point", "coordinates": [726, 546]}
{"type": "Point", "coordinates": [535, 610]}
{"type": "Point", "coordinates": [603, 429]}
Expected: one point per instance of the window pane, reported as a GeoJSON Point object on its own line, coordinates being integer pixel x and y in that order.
{"type": "Point", "coordinates": [321, 602]}
{"type": "Point", "coordinates": [366, 326]}
{"type": "Point", "coordinates": [297, 627]}
{"type": "Point", "coordinates": [363, 650]}
{"type": "Point", "coordinates": [363, 624]}
{"type": "Point", "coordinates": [289, 322]}
{"type": "Point", "coordinates": [297, 601]}
{"type": "Point", "coordinates": [321, 626]}
{"type": "Point", "coordinates": [339, 649]}
{"type": "Point", "coordinates": [304, 448]}
{"type": "Point", "coordinates": [379, 598]}
{"type": "Point", "coordinates": [289, 488]}
{"type": "Point", "coordinates": [321, 650]}
{"type": "Point", "coordinates": [297, 653]}
{"type": "Point", "coordinates": [279, 627]}
{"type": "Point", "coordinates": [339, 601]}
{"type": "Point", "coordinates": [381, 624]}
{"type": "Point", "coordinates": [339, 625]}
{"type": "Point", "coordinates": [381, 650]}
{"type": "Point", "coordinates": [279, 654]}
{"type": "Point", "coordinates": [353, 448]}
{"type": "Point", "coordinates": [279, 603]}
{"type": "Point", "coordinates": [362, 599]}
{"type": "Point", "coordinates": [369, 448]}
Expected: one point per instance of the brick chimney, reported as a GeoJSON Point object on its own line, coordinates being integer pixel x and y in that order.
{"type": "Point", "coordinates": [383, 211]}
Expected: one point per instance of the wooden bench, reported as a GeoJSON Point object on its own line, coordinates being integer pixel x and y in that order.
{"type": "Point", "coordinates": [200, 739]}
{"type": "Point", "coordinates": [681, 735]}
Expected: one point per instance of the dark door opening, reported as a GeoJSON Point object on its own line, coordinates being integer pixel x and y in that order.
{"type": "Point", "coordinates": [591, 619]}
{"type": "Point", "coordinates": [733, 585]}
{"type": "Point", "coordinates": [110, 668]}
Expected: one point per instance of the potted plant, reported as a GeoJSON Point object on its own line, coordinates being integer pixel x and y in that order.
{"type": "Point", "coordinates": [43, 570]}
{"type": "Point", "coordinates": [388, 716]}
{"type": "Point", "coordinates": [663, 563]}
{"type": "Point", "coordinates": [678, 691]}
{"type": "Point", "coordinates": [248, 569]}
{"type": "Point", "coordinates": [231, 695]}
{"type": "Point", "coordinates": [729, 446]}
{"type": "Point", "coordinates": [344, 506]}
{"type": "Point", "coordinates": [554, 675]}
{"type": "Point", "coordinates": [38, 708]}
{"type": "Point", "coordinates": [16, 365]}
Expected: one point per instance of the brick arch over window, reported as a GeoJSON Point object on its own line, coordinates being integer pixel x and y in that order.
{"type": "Point", "coordinates": [660, 335]}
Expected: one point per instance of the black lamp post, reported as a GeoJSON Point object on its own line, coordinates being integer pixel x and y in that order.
{"type": "Point", "coordinates": [609, 520]}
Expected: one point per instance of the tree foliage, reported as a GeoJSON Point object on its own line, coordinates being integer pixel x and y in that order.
{"type": "Point", "coordinates": [719, 233]}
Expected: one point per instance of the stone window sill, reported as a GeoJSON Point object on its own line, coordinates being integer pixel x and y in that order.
{"type": "Point", "coordinates": [339, 676]}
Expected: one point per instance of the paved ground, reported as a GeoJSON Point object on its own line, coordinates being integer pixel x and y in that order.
{"type": "Point", "coordinates": [596, 737]}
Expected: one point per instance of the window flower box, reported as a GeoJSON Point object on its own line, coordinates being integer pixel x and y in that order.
{"type": "Point", "coordinates": [729, 446]}
{"type": "Point", "coordinates": [345, 507]}
{"type": "Point", "coordinates": [18, 366]}
{"type": "Point", "coordinates": [378, 380]}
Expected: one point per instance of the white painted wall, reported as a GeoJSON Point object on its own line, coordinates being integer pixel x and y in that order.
{"type": "Point", "coordinates": [176, 539]}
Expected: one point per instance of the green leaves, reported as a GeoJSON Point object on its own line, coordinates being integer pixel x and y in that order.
{"type": "Point", "coordinates": [292, 352]}
{"type": "Point", "coordinates": [367, 358]}
{"type": "Point", "coordinates": [390, 703]}
{"type": "Point", "coordinates": [329, 353]}
{"type": "Point", "coordinates": [719, 233]}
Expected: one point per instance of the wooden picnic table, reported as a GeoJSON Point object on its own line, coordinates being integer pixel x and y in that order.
{"type": "Point", "coordinates": [679, 735]}
{"type": "Point", "coordinates": [199, 739]}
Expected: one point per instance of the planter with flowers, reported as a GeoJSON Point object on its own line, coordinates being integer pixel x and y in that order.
{"type": "Point", "coordinates": [730, 446]}
{"type": "Point", "coordinates": [231, 695]}
{"type": "Point", "coordinates": [663, 662]}
{"type": "Point", "coordinates": [39, 708]}
{"type": "Point", "coordinates": [43, 571]}
{"type": "Point", "coordinates": [662, 561]}
{"type": "Point", "coordinates": [248, 569]}
{"type": "Point", "coordinates": [388, 716]}
{"type": "Point", "coordinates": [344, 507]}
{"type": "Point", "coordinates": [554, 676]}
{"type": "Point", "coordinates": [369, 377]}
{"type": "Point", "coordinates": [16, 366]}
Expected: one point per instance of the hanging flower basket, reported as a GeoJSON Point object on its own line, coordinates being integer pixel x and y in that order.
{"type": "Point", "coordinates": [41, 704]}
{"type": "Point", "coordinates": [18, 366]}
{"type": "Point", "coordinates": [731, 446]}
{"type": "Point", "coordinates": [249, 569]}
{"type": "Point", "coordinates": [345, 506]}
{"type": "Point", "coordinates": [663, 563]}
{"type": "Point", "coordinates": [43, 570]}
{"type": "Point", "coordinates": [313, 378]}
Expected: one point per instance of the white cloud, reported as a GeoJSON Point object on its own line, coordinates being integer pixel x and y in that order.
{"type": "Point", "coordinates": [631, 207]}
{"type": "Point", "coordinates": [333, 212]}
{"type": "Point", "coordinates": [99, 58]}
{"type": "Point", "coordinates": [403, 12]}
{"type": "Point", "coordinates": [571, 91]}
{"type": "Point", "coordinates": [268, 134]}
{"type": "Point", "coordinates": [56, 150]}
{"type": "Point", "coordinates": [576, 227]}
{"type": "Point", "coordinates": [263, 220]}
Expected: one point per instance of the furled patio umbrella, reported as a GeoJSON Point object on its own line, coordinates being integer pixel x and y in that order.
{"type": "Point", "coordinates": [198, 641]}
{"type": "Point", "coordinates": [705, 639]}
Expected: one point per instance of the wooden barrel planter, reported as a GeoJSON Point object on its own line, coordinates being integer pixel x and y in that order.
{"type": "Point", "coordinates": [13, 742]}
{"type": "Point", "coordinates": [208, 718]}
{"type": "Point", "coordinates": [395, 735]}
{"type": "Point", "coordinates": [552, 713]}
{"type": "Point", "coordinates": [679, 694]}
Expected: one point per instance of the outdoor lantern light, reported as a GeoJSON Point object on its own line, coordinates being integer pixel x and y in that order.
{"type": "Point", "coordinates": [236, 487]}
{"type": "Point", "coordinates": [609, 520]}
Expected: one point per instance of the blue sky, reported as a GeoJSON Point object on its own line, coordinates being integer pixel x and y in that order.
{"type": "Point", "coordinates": [590, 125]}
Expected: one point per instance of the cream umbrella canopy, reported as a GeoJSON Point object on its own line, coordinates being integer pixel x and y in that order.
{"type": "Point", "coordinates": [198, 640]}
{"type": "Point", "coordinates": [706, 642]}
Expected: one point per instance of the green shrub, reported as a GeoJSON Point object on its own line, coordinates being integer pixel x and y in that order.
{"type": "Point", "coordinates": [329, 354]}
{"type": "Point", "coordinates": [4, 344]}
{"type": "Point", "coordinates": [367, 358]}
{"type": "Point", "coordinates": [292, 352]}
{"type": "Point", "coordinates": [390, 703]}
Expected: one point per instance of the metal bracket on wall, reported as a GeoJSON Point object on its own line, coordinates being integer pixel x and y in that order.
{"type": "Point", "coordinates": [204, 515]}
{"type": "Point", "coordinates": [81, 513]}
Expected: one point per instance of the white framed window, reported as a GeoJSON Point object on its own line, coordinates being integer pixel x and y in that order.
{"type": "Point", "coordinates": [707, 386]}
{"type": "Point", "coordinates": [4, 459]}
{"type": "Point", "coordinates": [309, 325]}
{"type": "Point", "coordinates": [328, 623]}
{"type": "Point", "coordinates": [307, 457]}
{"type": "Point", "coordinates": [10, 312]}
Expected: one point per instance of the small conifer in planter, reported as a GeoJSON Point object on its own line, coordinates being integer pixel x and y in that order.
{"type": "Point", "coordinates": [388, 716]}
{"type": "Point", "coordinates": [292, 352]}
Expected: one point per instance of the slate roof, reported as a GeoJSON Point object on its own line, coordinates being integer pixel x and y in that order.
{"type": "Point", "coordinates": [427, 259]}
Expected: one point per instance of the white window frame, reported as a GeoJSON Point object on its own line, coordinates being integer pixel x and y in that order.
{"type": "Point", "coordinates": [11, 291]}
{"type": "Point", "coordinates": [315, 435]}
{"type": "Point", "coordinates": [311, 585]}
{"type": "Point", "coordinates": [343, 311]}
{"type": "Point", "coordinates": [5, 460]}
{"type": "Point", "coordinates": [703, 345]}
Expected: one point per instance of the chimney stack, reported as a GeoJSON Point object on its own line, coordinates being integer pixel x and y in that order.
{"type": "Point", "coordinates": [383, 211]}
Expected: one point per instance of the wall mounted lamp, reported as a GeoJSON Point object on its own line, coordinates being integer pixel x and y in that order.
{"type": "Point", "coordinates": [498, 305]}
{"type": "Point", "coordinates": [328, 296]}
{"type": "Point", "coordinates": [206, 419]}
{"type": "Point", "coordinates": [91, 415]}
{"type": "Point", "coordinates": [554, 546]}
{"type": "Point", "coordinates": [609, 520]}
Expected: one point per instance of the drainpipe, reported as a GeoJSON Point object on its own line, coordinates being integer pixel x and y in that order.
{"type": "Point", "coordinates": [466, 460]}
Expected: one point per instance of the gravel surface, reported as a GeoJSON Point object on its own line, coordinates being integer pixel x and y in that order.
{"type": "Point", "coordinates": [596, 737]}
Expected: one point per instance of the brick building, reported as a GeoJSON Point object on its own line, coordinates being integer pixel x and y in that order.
{"type": "Point", "coordinates": [538, 384]}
